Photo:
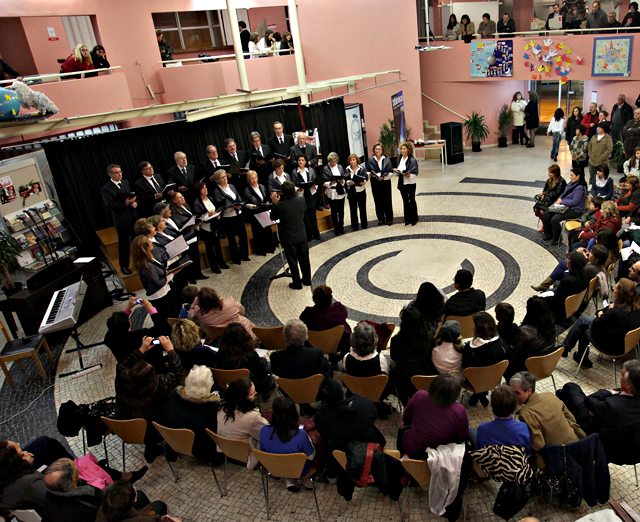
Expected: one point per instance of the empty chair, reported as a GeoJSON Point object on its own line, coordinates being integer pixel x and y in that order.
{"type": "Point", "coordinates": [233, 449]}
{"type": "Point", "coordinates": [271, 338]}
{"type": "Point", "coordinates": [544, 365]}
{"type": "Point", "coordinates": [326, 340]}
{"type": "Point", "coordinates": [130, 431]}
{"type": "Point", "coordinates": [224, 377]}
{"type": "Point", "coordinates": [370, 387]}
{"type": "Point", "coordinates": [631, 341]}
{"type": "Point", "coordinates": [15, 350]}
{"type": "Point", "coordinates": [302, 391]}
{"type": "Point", "coordinates": [484, 378]}
{"type": "Point", "coordinates": [466, 324]}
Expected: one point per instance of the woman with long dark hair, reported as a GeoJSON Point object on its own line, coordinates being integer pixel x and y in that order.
{"type": "Point", "coordinates": [556, 128]}
{"type": "Point", "coordinates": [573, 197]}
{"type": "Point", "coordinates": [572, 123]}
{"type": "Point", "coordinates": [284, 436]}
{"type": "Point", "coordinates": [553, 188]}
{"type": "Point", "coordinates": [532, 118]}
{"type": "Point", "coordinates": [632, 165]}
{"type": "Point", "coordinates": [453, 29]}
{"type": "Point", "coordinates": [380, 172]}
{"type": "Point", "coordinates": [430, 302]}
{"type": "Point", "coordinates": [407, 171]}
{"type": "Point", "coordinates": [467, 28]}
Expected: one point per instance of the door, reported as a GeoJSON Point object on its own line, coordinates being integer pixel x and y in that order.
{"type": "Point", "coordinates": [552, 94]}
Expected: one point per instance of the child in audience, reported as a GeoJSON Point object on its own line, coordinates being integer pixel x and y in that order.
{"type": "Point", "coordinates": [447, 354]}
{"type": "Point", "coordinates": [189, 294]}
{"type": "Point", "coordinates": [507, 329]}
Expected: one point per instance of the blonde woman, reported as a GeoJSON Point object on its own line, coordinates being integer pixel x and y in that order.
{"type": "Point", "coordinates": [185, 337]}
{"type": "Point", "coordinates": [79, 60]}
{"type": "Point", "coordinates": [517, 108]}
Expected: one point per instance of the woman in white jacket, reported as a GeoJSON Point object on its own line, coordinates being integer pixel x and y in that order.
{"type": "Point", "coordinates": [556, 128]}
{"type": "Point", "coordinates": [517, 108]}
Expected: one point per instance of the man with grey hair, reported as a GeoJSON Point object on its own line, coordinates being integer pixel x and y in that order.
{"type": "Point", "coordinates": [606, 408]}
{"type": "Point", "coordinates": [596, 18]}
{"type": "Point", "coordinates": [184, 176]}
{"type": "Point", "coordinates": [260, 158]}
{"type": "Point", "coordinates": [548, 419]}
{"type": "Point", "coordinates": [302, 148]}
{"type": "Point", "coordinates": [299, 361]}
{"type": "Point", "coordinates": [621, 113]}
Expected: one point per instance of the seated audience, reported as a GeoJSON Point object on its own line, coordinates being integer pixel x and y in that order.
{"type": "Point", "coordinates": [590, 215]}
{"type": "Point", "coordinates": [467, 300]}
{"type": "Point", "coordinates": [606, 408]}
{"type": "Point", "coordinates": [237, 350]}
{"type": "Point", "coordinates": [609, 219]}
{"type": "Point", "coordinates": [141, 393]}
{"type": "Point", "coordinates": [608, 330]}
{"type": "Point", "coordinates": [340, 421]}
{"type": "Point", "coordinates": [553, 187]}
{"type": "Point", "coordinates": [573, 283]}
{"type": "Point", "coordinates": [299, 361]}
{"type": "Point", "coordinates": [504, 430]}
{"type": "Point", "coordinates": [238, 416]}
{"type": "Point", "coordinates": [209, 309]}
{"type": "Point", "coordinates": [447, 353]}
{"type": "Point", "coordinates": [632, 165]}
{"type": "Point", "coordinates": [185, 337]}
{"type": "Point", "coordinates": [79, 60]}
{"type": "Point", "coordinates": [548, 419]}
{"type": "Point", "coordinates": [485, 349]}
{"type": "Point", "coordinates": [573, 197]}
{"type": "Point", "coordinates": [630, 196]}
{"type": "Point", "coordinates": [507, 329]}
{"type": "Point", "coordinates": [194, 407]}
{"type": "Point", "coordinates": [325, 314]}
{"type": "Point", "coordinates": [433, 418]}
{"type": "Point", "coordinates": [430, 301]}
{"type": "Point", "coordinates": [120, 505]}
{"type": "Point", "coordinates": [284, 436]}
{"type": "Point", "coordinates": [603, 184]}
{"type": "Point", "coordinates": [189, 294]}
{"type": "Point", "coordinates": [536, 336]}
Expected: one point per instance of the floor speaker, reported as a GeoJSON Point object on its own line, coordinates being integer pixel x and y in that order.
{"type": "Point", "coordinates": [451, 132]}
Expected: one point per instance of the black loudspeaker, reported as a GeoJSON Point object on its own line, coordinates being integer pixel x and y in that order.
{"type": "Point", "coordinates": [451, 132]}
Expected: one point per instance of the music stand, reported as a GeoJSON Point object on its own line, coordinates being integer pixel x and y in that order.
{"type": "Point", "coordinates": [266, 221]}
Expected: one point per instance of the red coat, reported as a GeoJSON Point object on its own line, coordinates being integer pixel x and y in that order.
{"type": "Point", "coordinates": [72, 65]}
{"type": "Point", "coordinates": [612, 222]}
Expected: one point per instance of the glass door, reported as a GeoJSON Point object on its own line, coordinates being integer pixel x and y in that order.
{"type": "Point", "coordinates": [552, 94]}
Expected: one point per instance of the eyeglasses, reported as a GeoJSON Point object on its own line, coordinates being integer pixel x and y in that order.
{"type": "Point", "coordinates": [84, 49]}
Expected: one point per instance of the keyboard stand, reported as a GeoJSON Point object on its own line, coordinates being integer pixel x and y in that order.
{"type": "Point", "coordinates": [79, 347]}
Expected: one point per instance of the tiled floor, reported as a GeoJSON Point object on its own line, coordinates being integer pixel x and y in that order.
{"type": "Point", "coordinates": [474, 215]}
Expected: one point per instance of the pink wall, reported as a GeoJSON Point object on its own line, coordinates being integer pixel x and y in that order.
{"type": "Point", "coordinates": [14, 46]}
{"type": "Point", "coordinates": [608, 91]}
{"type": "Point", "coordinates": [274, 15]}
{"type": "Point", "coordinates": [46, 53]}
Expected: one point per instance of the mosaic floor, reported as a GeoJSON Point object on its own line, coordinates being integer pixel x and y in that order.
{"type": "Point", "coordinates": [478, 215]}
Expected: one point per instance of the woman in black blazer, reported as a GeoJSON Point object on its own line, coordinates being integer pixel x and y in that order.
{"type": "Point", "coordinates": [570, 285]}
{"type": "Point", "coordinates": [380, 173]}
{"type": "Point", "coordinates": [204, 208]}
{"type": "Point", "coordinates": [226, 197]}
{"type": "Point", "coordinates": [278, 177]}
{"type": "Point", "coordinates": [407, 171]}
{"type": "Point", "coordinates": [333, 177]}
{"type": "Point", "coordinates": [301, 176]}
{"type": "Point", "coordinates": [160, 237]}
{"type": "Point", "coordinates": [255, 196]}
{"type": "Point", "coordinates": [356, 193]}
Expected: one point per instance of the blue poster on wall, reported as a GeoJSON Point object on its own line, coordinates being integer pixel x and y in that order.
{"type": "Point", "coordinates": [612, 56]}
{"type": "Point", "coordinates": [491, 58]}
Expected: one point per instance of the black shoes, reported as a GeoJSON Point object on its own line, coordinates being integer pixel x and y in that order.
{"type": "Point", "coordinates": [293, 286]}
{"type": "Point", "coordinates": [306, 282]}
{"type": "Point", "coordinates": [380, 223]}
{"type": "Point", "coordinates": [566, 352]}
{"type": "Point", "coordinates": [201, 277]}
{"type": "Point", "coordinates": [224, 266]}
{"type": "Point", "coordinates": [126, 271]}
{"type": "Point", "coordinates": [246, 259]}
{"type": "Point", "coordinates": [216, 270]}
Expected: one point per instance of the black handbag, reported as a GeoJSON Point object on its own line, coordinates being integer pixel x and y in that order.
{"type": "Point", "coordinates": [559, 486]}
{"type": "Point", "coordinates": [511, 498]}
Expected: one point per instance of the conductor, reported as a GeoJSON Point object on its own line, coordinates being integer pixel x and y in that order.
{"type": "Point", "coordinates": [290, 210]}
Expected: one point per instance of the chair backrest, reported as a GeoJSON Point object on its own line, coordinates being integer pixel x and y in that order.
{"type": "Point", "coordinates": [341, 456]}
{"type": "Point", "coordinates": [326, 340]}
{"type": "Point", "coordinates": [224, 377]}
{"type": "Point", "coordinates": [573, 302]}
{"type": "Point", "coordinates": [8, 338]}
{"type": "Point", "coordinates": [301, 391]}
{"type": "Point", "coordinates": [486, 378]}
{"type": "Point", "coordinates": [419, 470]}
{"type": "Point", "coordinates": [369, 387]}
{"type": "Point", "coordinates": [173, 320]}
{"type": "Point", "coordinates": [212, 332]}
{"type": "Point", "coordinates": [232, 448]}
{"type": "Point", "coordinates": [631, 340]}
{"type": "Point", "coordinates": [466, 324]}
{"type": "Point", "coordinates": [181, 441]}
{"type": "Point", "coordinates": [383, 342]}
{"type": "Point", "coordinates": [131, 431]}
{"type": "Point", "coordinates": [544, 365]}
{"type": "Point", "coordinates": [26, 515]}
{"type": "Point", "coordinates": [271, 338]}
{"type": "Point", "coordinates": [593, 284]}
{"type": "Point", "coordinates": [287, 465]}
{"type": "Point", "coordinates": [422, 382]}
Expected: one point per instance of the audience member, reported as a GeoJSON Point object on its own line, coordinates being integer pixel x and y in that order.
{"type": "Point", "coordinates": [506, 26]}
{"type": "Point", "coordinates": [430, 302]}
{"type": "Point", "coordinates": [326, 314]}
{"type": "Point", "coordinates": [572, 284]}
{"type": "Point", "coordinates": [487, 27]}
{"type": "Point", "coordinates": [532, 117]}
{"type": "Point", "coordinates": [630, 197]}
{"type": "Point", "coordinates": [632, 165]}
{"type": "Point", "coordinates": [78, 60]}
{"type": "Point", "coordinates": [452, 29]}
{"type": "Point", "coordinates": [467, 29]}
{"type": "Point", "coordinates": [622, 112]}
{"type": "Point", "coordinates": [467, 300]}
{"type": "Point", "coordinates": [609, 220]}
{"type": "Point", "coordinates": [447, 353]}
{"type": "Point", "coordinates": [596, 18]}
{"type": "Point", "coordinates": [166, 51]}
{"type": "Point", "coordinates": [602, 120]}
{"type": "Point", "coordinates": [600, 148]}
{"type": "Point", "coordinates": [631, 134]}
{"type": "Point", "coordinates": [574, 19]}
{"type": "Point", "coordinates": [299, 361]}
{"type": "Point", "coordinates": [507, 329]}
{"type": "Point", "coordinates": [602, 184]}
{"type": "Point", "coordinates": [632, 18]}
{"type": "Point", "coordinates": [580, 148]}
{"type": "Point", "coordinates": [554, 14]}
{"type": "Point", "coordinates": [612, 22]}
{"type": "Point", "coordinates": [517, 110]}
{"type": "Point", "coordinates": [189, 294]}
{"type": "Point", "coordinates": [287, 43]}
{"type": "Point", "coordinates": [573, 121]}
{"type": "Point", "coordinates": [185, 337]}
{"type": "Point", "coordinates": [573, 197]}
{"type": "Point", "coordinates": [245, 35]}
{"type": "Point", "coordinates": [556, 129]}
{"type": "Point", "coordinates": [553, 188]}
{"type": "Point", "coordinates": [120, 505]}
{"type": "Point", "coordinates": [9, 71]}
{"type": "Point", "coordinates": [590, 120]}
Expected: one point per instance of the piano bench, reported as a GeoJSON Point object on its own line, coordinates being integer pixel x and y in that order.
{"type": "Point", "coordinates": [15, 350]}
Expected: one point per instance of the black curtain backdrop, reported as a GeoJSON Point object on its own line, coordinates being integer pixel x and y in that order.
{"type": "Point", "coordinates": [79, 166]}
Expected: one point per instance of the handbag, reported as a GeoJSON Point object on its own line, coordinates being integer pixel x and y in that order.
{"type": "Point", "coordinates": [557, 209]}
{"type": "Point", "coordinates": [511, 498]}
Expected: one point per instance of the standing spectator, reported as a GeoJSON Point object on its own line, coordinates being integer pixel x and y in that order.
{"type": "Point", "coordinates": [556, 128]}
{"type": "Point", "coordinates": [245, 35]}
{"type": "Point", "coordinates": [591, 119]}
{"type": "Point", "coordinates": [631, 134]}
{"type": "Point", "coordinates": [286, 46]}
{"type": "Point", "coordinates": [600, 148]}
{"type": "Point", "coordinates": [254, 51]}
{"type": "Point", "coordinates": [99, 57]}
{"type": "Point", "coordinates": [554, 14]}
{"type": "Point", "coordinates": [453, 29]}
{"type": "Point", "coordinates": [579, 148]}
{"type": "Point", "coordinates": [574, 19]}
{"type": "Point", "coordinates": [506, 26]}
{"type": "Point", "coordinates": [613, 23]}
{"type": "Point", "coordinates": [621, 113]}
{"type": "Point", "coordinates": [487, 27]}
{"type": "Point", "coordinates": [517, 109]}
{"type": "Point", "coordinates": [467, 28]}
{"type": "Point", "coordinates": [532, 118]}
{"type": "Point", "coordinates": [632, 18]}
{"type": "Point", "coordinates": [166, 51]}
{"type": "Point", "coordinates": [79, 60]}
{"type": "Point", "coordinates": [572, 124]}
{"type": "Point", "coordinates": [596, 18]}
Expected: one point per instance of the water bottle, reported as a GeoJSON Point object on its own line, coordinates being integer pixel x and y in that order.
{"type": "Point", "coordinates": [356, 130]}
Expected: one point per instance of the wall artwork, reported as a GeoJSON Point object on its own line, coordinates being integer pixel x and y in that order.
{"type": "Point", "coordinates": [544, 59]}
{"type": "Point", "coordinates": [491, 58]}
{"type": "Point", "coordinates": [612, 56]}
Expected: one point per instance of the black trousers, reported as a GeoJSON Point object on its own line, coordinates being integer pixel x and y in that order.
{"type": "Point", "coordinates": [522, 136]}
{"type": "Point", "coordinates": [358, 201]}
{"type": "Point", "coordinates": [125, 234]}
{"type": "Point", "coordinates": [408, 193]}
{"type": "Point", "coordinates": [381, 191]}
{"type": "Point", "coordinates": [212, 246]}
{"type": "Point", "coordinates": [311, 223]}
{"type": "Point", "coordinates": [552, 222]}
{"type": "Point", "coordinates": [298, 254]}
{"type": "Point", "coordinates": [194, 269]}
{"type": "Point", "coordinates": [573, 397]}
{"type": "Point", "coordinates": [234, 226]}
{"type": "Point", "coordinates": [164, 306]}
{"type": "Point", "coordinates": [263, 242]}
{"type": "Point", "coordinates": [337, 214]}
{"type": "Point", "coordinates": [46, 451]}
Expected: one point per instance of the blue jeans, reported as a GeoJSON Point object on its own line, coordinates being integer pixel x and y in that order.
{"type": "Point", "coordinates": [557, 138]}
{"type": "Point", "coordinates": [560, 271]}
{"type": "Point", "coordinates": [580, 333]}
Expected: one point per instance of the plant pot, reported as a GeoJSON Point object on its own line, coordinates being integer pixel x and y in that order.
{"type": "Point", "coordinates": [475, 146]}
{"type": "Point", "coordinates": [502, 141]}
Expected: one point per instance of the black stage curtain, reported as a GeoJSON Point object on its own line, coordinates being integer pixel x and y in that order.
{"type": "Point", "coordinates": [79, 166]}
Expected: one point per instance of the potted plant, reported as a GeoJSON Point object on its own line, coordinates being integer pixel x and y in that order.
{"type": "Point", "coordinates": [477, 130]}
{"type": "Point", "coordinates": [505, 122]}
{"type": "Point", "coordinates": [388, 139]}
{"type": "Point", "coordinates": [618, 153]}
{"type": "Point", "coordinates": [9, 252]}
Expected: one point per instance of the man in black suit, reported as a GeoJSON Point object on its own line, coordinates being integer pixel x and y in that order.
{"type": "Point", "coordinates": [210, 165]}
{"type": "Point", "coordinates": [123, 212]}
{"type": "Point", "coordinates": [184, 176]}
{"type": "Point", "coordinates": [245, 36]}
{"type": "Point", "coordinates": [231, 156]}
{"type": "Point", "coordinates": [148, 189]}
{"type": "Point", "coordinates": [302, 148]}
{"type": "Point", "coordinates": [262, 166]}
{"type": "Point", "coordinates": [299, 361]}
{"type": "Point", "coordinates": [606, 408]}
{"type": "Point", "coordinates": [468, 300]}
{"type": "Point", "coordinates": [281, 143]}
{"type": "Point", "coordinates": [293, 235]}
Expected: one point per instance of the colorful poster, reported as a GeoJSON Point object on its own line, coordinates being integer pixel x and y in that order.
{"type": "Point", "coordinates": [7, 190]}
{"type": "Point", "coordinates": [612, 56]}
{"type": "Point", "coordinates": [491, 58]}
{"type": "Point", "coordinates": [397, 103]}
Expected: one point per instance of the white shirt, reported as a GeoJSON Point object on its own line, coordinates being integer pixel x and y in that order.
{"type": "Point", "coordinates": [351, 173]}
{"type": "Point", "coordinates": [308, 178]}
{"type": "Point", "coordinates": [171, 223]}
{"type": "Point", "coordinates": [253, 50]}
{"type": "Point", "coordinates": [332, 193]}
{"type": "Point", "coordinates": [230, 212]}
{"type": "Point", "coordinates": [555, 126]}
{"type": "Point", "coordinates": [446, 358]}
{"type": "Point", "coordinates": [205, 220]}
{"type": "Point", "coordinates": [411, 180]}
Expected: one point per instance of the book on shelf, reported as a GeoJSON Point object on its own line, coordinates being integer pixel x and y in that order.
{"type": "Point", "coordinates": [31, 238]}
{"type": "Point", "coordinates": [22, 241]}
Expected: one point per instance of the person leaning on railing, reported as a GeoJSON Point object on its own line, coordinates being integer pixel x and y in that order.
{"type": "Point", "coordinates": [79, 60]}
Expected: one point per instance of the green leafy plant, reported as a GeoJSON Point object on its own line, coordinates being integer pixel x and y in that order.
{"type": "Point", "coordinates": [388, 138]}
{"type": "Point", "coordinates": [9, 252]}
{"type": "Point", "coordinates": [476, 128]}
{"type": "Point", "coordinates": [618, 151]}
{"type": "Point", "coordinates": [505, 121]}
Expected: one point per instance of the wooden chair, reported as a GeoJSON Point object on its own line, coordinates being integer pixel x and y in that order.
{"type": "Point", "coordinates": [573, 302]}
{"type": "Point", "coordinates": [544, 365]}
{"type": "Point", "coordinates": [383, 343]}
{"type": "Point", "coordinates": [130, 431]}
{"type": "Point", "coordinates": [25, 515]}
{"type": "Point", "coordinates": [173, 320]}
{"type": "Point", "coordinates": [289, 466]}
{"type": "Point", "coordinates": [631, 341]}
{"type": "Point", "coordinates": [212, 332]}
{"type": "Point", "coordinates": [224, 377]}
{"type": "Point", "coordinates": [181, 441]}
{"type": "Point", "coordinates": [423, 382]}
{"type": "Point", "coordinates": [369, 387]}
{"type": "Point", "coordinates": [593, 284]}
{"type": "Point", "coordinates": [466, 324]}
{"type": "Point", "coordinates": [271, 338]}
{"type": "Point", "coordinates": [233, 449]}
{"type": "Point", "coordinates": [419, 472]}
{"type": "Point", "coordinates": [15, 350]}
{"type": "Point", "coordinates": [301, 391]}
{"type": "Point", "coordinates": [485, 378]}
{"type": "Point", "coordinates": [326, 340]}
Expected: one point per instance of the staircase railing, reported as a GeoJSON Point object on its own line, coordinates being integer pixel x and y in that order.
{"type": "Point", "coordinates": [444, 107]}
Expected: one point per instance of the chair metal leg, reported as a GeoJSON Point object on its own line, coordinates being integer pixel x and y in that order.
{"type": "Point", "coordinates": [174, 471]}
{"type": "Point", "coordinates": [124, 468]}
{"type": "Point", "coordinates": [216, 479]}
{"type": "Point", "coordinates": [313, 483]}
{"type": "Point", "coordinates": [404, 502]}
{"type": "Point", "coordinates": [554, 383]}
{"type": "Point", "coordinates": [226, 471]}
{"type": "Point", "coordinates": [84, 441]}
{"type": "Point", "coordinates": [635, 470]}
{"type": "Point", "coordinates": [266, 494]}
{"type": "Point", "coordinates": [583, 356]}
{"type": "Point", "coordinates": [615, 375]}
{"type": "Point", "coordinates": [340, 505]}
{"type": "Point", "coordinates": [104, 445]}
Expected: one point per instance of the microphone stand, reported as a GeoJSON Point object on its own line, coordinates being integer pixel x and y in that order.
{"type": "Point", "coordinates": [49, 241]}
{"type": "Point", "coordinates": [25, 219]}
